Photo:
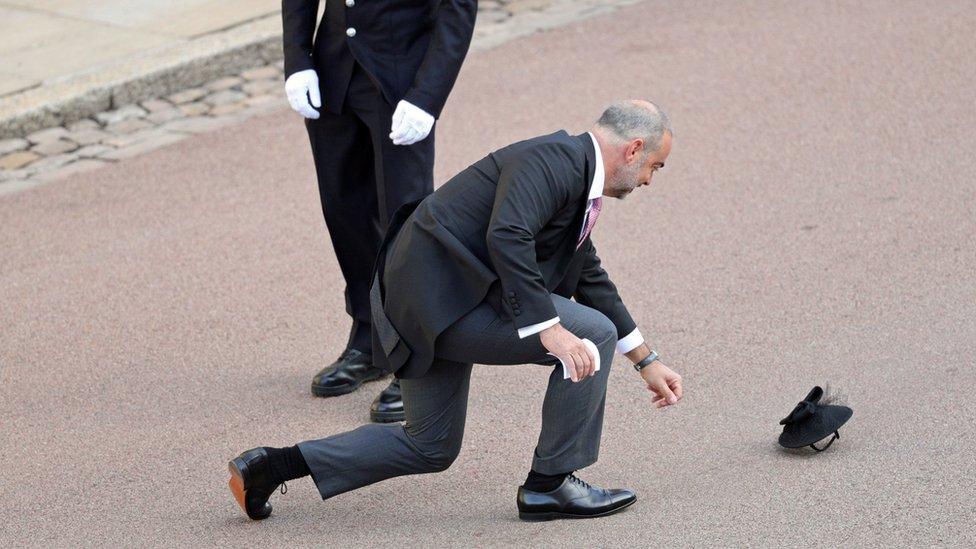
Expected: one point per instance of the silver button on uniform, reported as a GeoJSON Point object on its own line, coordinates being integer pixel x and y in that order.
{"type": "Point", "coordinates": [350, 32]}
{"type": "Point", "coordinates": [350, 3]}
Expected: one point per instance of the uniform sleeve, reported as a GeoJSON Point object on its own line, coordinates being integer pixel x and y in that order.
{"type": "Point", "coordinates": [453, 27]}
{"type": "Point", "coordinates": [298, 31]}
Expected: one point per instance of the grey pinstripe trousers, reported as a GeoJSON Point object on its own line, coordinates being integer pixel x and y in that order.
{"type": "Point", "coordinates": [436, 406]}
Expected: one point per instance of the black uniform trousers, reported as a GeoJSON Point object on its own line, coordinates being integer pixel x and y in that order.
{"type": "Point", "coordinates": [363, 178]}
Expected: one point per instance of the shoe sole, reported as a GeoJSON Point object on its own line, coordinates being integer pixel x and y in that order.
{"type": "Point", "coordinates": [323, 391]}
{"type": "Point", "coordinates": [553, 515]}
{"type": "Point", "coordinates": [387, 417]}
{"type": "Point", "coordinates": [236, 482]}
{"type": "Point", "coordinates": [237, 467]}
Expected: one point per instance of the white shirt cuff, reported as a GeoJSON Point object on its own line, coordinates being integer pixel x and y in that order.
{"type": "Point", "coordinates": [631, 342]}
{"type": "Point", "coordinates": [536, 328]}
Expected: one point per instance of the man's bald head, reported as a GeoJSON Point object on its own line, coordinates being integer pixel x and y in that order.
{"type": "Point", "coordinates": [635, 140]}
{"type": "Point", "coordinates": [635, 119]}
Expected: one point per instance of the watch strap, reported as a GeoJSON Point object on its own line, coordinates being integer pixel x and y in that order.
{"type": "Point", "coordinates": [649, 359]}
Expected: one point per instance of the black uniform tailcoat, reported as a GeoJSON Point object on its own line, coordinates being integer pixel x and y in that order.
{"type": "Point", "coordinates": [413, 49]}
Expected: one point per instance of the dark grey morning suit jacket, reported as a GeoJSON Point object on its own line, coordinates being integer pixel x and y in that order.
{"type": "Point", "coordinates": [504, 231]}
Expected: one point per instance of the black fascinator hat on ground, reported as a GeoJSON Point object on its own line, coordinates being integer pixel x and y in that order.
{"type": "Point", "coordinates": [813, 419]}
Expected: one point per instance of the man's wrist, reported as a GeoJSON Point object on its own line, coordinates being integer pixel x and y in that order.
{"type": "Point", "coordinates": [646, 361]}
{"type": "Point", "coordinates": [639, 353]}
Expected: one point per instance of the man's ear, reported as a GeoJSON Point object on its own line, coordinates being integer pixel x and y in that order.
{"type": "Point", "coordinates": [634, 149]}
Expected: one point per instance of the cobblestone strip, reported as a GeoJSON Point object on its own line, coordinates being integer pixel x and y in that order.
{"type": "Point", "coordinates": [57, 152]}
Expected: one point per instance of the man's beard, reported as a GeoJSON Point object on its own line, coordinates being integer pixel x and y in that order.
{"type": "Point", "coordinates": [625, 180]}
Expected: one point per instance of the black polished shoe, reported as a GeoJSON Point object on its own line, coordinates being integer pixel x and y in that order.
{"type": "Point", "coordinates": [388, 406]}
{"type": "Point", "coordinates": [345, 375]}
{"type": "Point", "coordinates": [573, 499]}
{"type": "Point", "coordinates": [250, 482]}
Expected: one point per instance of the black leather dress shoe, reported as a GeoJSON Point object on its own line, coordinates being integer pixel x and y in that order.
{"type": "Point", "coordinates": [573, 499]}
{"type": "Point", "coordinates": [250, 482]}
{"type": "Point", "coordinates": [345, 375]}
{"type": "Point", "coordinates": [388, 406]}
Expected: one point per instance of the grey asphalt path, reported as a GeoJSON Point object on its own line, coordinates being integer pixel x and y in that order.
{"type": "Point", "coordinates": [815, 224]}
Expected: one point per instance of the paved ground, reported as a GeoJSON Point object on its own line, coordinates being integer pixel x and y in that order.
{"type": "Point", "coordinates": [98, 32]}
{"type": "Point", "coordinates": [816, 223]}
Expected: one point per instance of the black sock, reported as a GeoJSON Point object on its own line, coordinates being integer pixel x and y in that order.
{"type": "Point", "coordinates": [286, 464]}
{"type": "Point", "coordinates": [537, 482]}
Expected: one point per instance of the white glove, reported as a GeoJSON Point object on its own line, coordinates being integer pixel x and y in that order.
{"type": "Point", "coordinates": [410, 124]}
{"type": "Point", "coordinates": [300, 87]}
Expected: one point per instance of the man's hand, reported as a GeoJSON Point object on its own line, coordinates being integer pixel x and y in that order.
{"type": "Point", "coordinates": [302, 89]}
{"type": "Point", "coordinates": [410, 124]}
{"type": "Point", "coordinates": [564, 345]}
{"type": "Point", "coordinates": [663, 382]}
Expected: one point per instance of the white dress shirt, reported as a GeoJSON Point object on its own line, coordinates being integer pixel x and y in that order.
{"type": "Point", "coordinates": [632, 340]}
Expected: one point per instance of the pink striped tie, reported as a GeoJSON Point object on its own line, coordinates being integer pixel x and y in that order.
{"type": "Point", "coordinates": [591, 216]}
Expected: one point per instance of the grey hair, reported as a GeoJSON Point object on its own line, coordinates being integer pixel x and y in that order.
{"type": "Point", "coordinates": [636, 119]}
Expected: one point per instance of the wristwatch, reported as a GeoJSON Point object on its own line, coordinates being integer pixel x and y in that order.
{"type": "Point", "coordinates": [650, 358]}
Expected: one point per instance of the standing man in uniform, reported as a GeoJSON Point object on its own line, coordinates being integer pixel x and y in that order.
{"type": "Point", "coordinates": [370, 86]}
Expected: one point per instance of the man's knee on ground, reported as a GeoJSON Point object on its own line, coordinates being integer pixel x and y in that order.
{"type": "Point", "coordinates": [438, 454]}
